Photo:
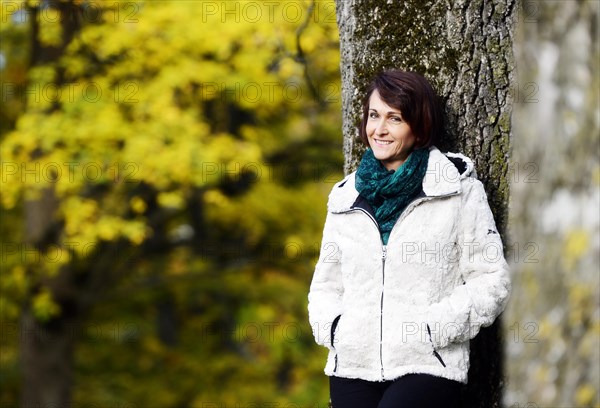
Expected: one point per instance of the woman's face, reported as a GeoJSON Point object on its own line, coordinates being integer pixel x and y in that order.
{"type": "Point", "coordinates": [389, 135]}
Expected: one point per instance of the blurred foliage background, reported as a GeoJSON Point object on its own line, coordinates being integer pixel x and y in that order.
{"type": "Point", "coordinates": [165, 168]}
{"type": "Point", "coordinates": [552, 323]}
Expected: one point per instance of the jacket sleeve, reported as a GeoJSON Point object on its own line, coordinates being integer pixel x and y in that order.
{"type": "Point", "coordinates": [485, 275]}
{"type": "Point", "coordinates": [326, 289]}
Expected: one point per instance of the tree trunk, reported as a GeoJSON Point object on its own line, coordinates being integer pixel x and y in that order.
{"type": "Point", "coordinates": [47, 361]}
{"type": "Point", "coordinates": [465, 49]}
{"type": "Point", "coordinates": [47, 346]}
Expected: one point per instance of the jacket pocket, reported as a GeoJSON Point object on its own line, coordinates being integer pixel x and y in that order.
{"type": "Point", "coordinates": [332, 336]}
{"type": "Point", "coordinates": [435, 353]}
{"type": "Point", "coordinates": [333, 328]}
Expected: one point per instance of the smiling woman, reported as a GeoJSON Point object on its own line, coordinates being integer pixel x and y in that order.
{"type": "Point", "coordinates": [395, 310]}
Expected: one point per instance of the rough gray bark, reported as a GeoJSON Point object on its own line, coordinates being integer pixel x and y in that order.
{"type": "Point", "coordinates": [465, 48]}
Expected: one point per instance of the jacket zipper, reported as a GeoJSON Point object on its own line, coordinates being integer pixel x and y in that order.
{"type": "Point", "coordinates": [406, 211]}
{"type": "Point", "coordinates": [383, 256]}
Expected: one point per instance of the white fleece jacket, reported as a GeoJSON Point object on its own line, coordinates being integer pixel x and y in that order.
{"type": "Point", "coordinates": [412, 305]}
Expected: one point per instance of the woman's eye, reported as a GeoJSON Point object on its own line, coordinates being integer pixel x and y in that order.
{"type": "Point", "coordinates": [373, 115]}
{"type": "Point", "coordinates": [396, 119]}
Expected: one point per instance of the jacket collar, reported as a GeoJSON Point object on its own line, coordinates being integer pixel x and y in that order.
{"type": "Point", "coordinates": [442, 178]}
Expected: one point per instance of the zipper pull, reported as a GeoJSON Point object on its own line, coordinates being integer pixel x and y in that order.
{"type": "Point", "coordinates": [384, 255]}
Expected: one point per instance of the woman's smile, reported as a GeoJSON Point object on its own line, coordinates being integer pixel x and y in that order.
{"type": "Point", "coordinates": [383, 142]}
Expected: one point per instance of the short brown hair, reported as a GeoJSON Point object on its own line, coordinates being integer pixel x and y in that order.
{"type": "Point", "coordinates": [416, 100]}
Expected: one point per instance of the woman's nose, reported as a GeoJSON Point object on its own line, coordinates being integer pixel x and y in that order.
{"type": "Point", "coordinates": [381, 128]}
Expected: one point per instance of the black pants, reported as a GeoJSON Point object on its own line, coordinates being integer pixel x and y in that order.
{"type": "Point", "coordinates": [409, 391]}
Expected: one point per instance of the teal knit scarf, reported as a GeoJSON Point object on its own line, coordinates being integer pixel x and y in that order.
{"type": "Point", "coordinates": [389, 192]}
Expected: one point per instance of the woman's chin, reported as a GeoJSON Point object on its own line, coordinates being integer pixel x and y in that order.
{"type": "Point", "coordinates": [382, 154]}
